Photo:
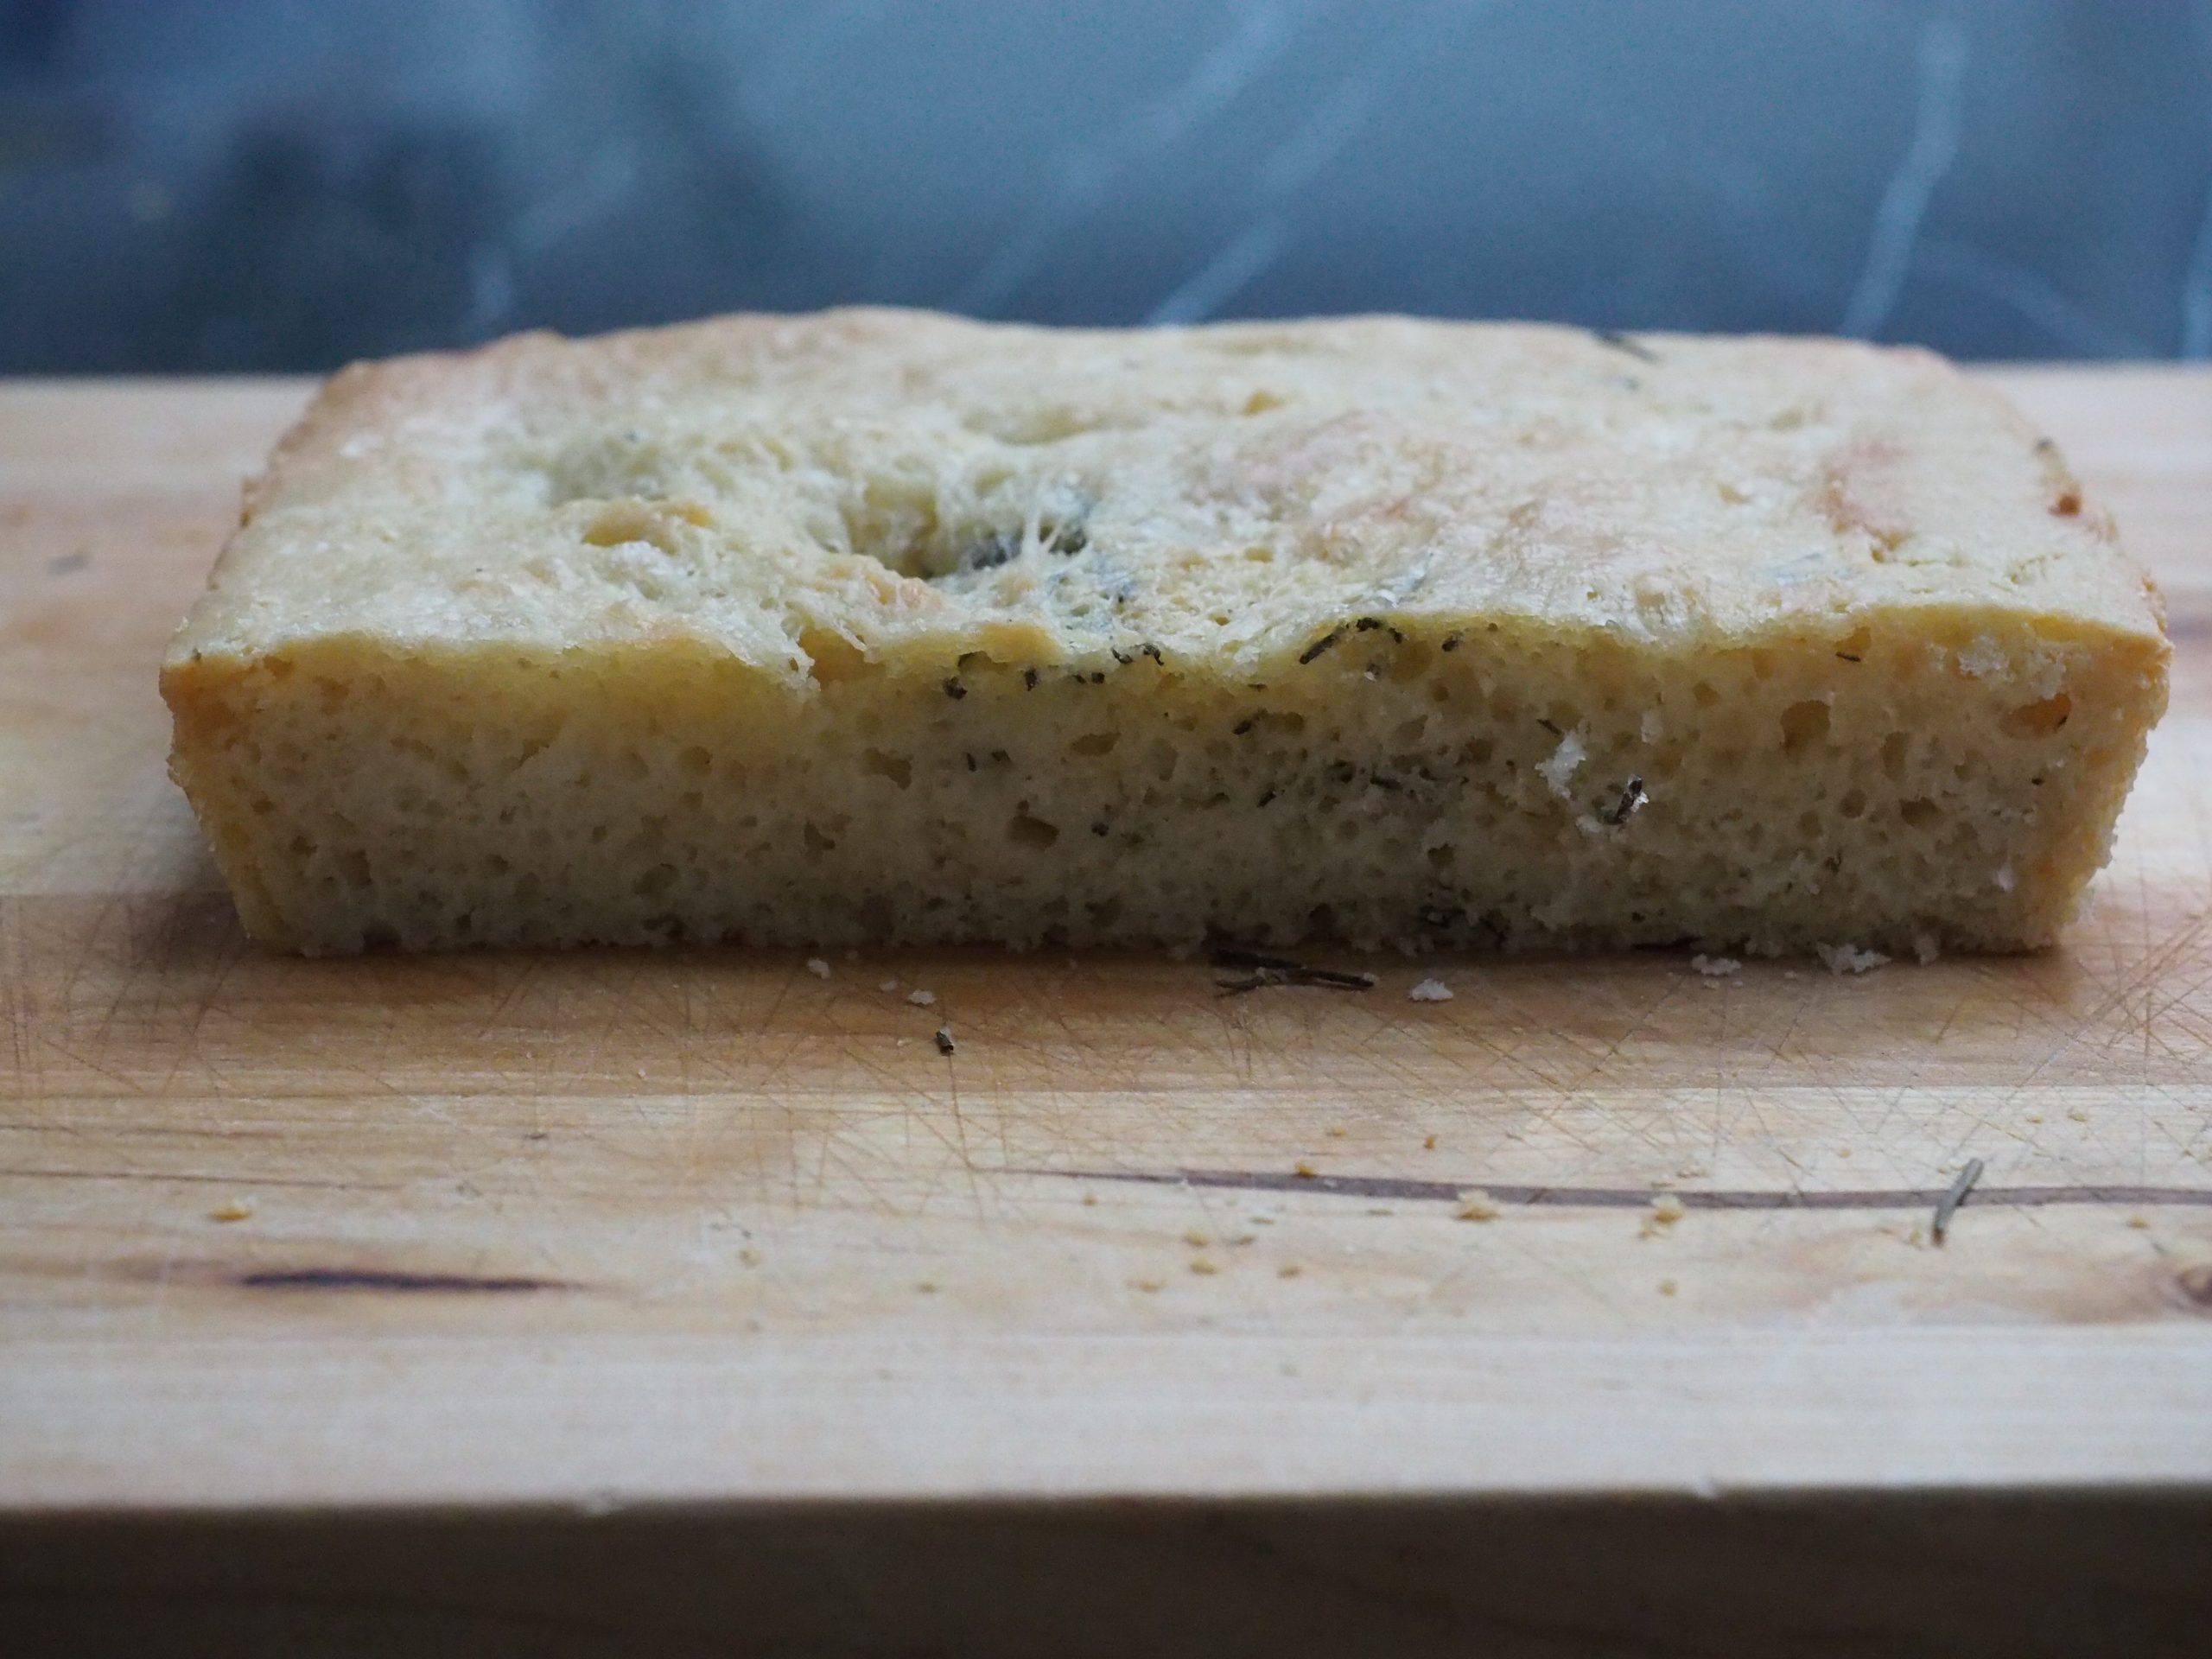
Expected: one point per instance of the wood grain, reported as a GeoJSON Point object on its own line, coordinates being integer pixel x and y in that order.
{"type": "Point", "coordinates": [620, 1228]}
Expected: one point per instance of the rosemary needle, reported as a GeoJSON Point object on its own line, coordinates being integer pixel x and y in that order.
{"type": "Point", "coordinates": [1947, 1206]}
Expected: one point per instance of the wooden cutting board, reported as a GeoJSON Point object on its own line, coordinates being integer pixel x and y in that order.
{"type": "Point", "coordinates": [615, 1227]}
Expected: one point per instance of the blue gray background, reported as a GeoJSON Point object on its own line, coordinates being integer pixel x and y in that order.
{"type": "Point", "coordinates": [285, 184]}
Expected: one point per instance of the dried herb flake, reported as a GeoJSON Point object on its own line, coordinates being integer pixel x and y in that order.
{"type": "Point", "coordinates": [1267, 971]}
{"type": "Point", "coordinates": [1325, 642]}
{"type": "Point", "coordinates": [1633, 798]}
{"type": "Point", "coordinates": [1621, 342]}
{"type": "Point", "coordinates": [1947, 1206]}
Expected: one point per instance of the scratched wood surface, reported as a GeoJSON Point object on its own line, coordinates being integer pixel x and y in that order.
{"type": "Point", "coordinates": [606, 1228]}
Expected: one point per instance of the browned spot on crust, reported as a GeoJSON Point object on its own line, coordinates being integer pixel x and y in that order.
{"type": "Point", "coordinates": [1854, 495]}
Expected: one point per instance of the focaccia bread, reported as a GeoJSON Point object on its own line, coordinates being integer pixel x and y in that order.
{"type": "Point", "coordinates": [881, 626]}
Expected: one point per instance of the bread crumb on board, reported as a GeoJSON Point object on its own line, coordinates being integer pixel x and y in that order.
{"type": "Point", "coordinates": [1666, 1210]}
{"type": "Point", "coordinates": [1430, 991]}
{"type": "Point", "coordinates": [1850, 959]}
{"type": "Point", "coordinates": [818, 966]}
{"type": "Point", "coordinates": [1716, 967]}
{"type": "Point", "coordinates": [922, 999]}
{"type": "Point", "coordinates": [1476, 1204]}
{"type": "Point", "coordinates": [234, 1209]}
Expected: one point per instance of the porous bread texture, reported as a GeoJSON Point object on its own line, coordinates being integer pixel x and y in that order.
{"type": "Point", "coordinates": [887, 626]}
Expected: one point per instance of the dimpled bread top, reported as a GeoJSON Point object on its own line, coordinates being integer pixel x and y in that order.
{"type": "Point", "coordinates": [904, 487]}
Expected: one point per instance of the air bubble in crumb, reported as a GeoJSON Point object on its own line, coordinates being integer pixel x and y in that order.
{"type": "Point", "coordinates": [1430, 991]}
{"type": "Point", "coordinates": [818, 966]}
{"type": "Point", "coordinates": [921, 998]}
{"type": "Point", "coordinates": [1716, 967]}
{"type": "Point", "coordinates": [1849, 958]}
